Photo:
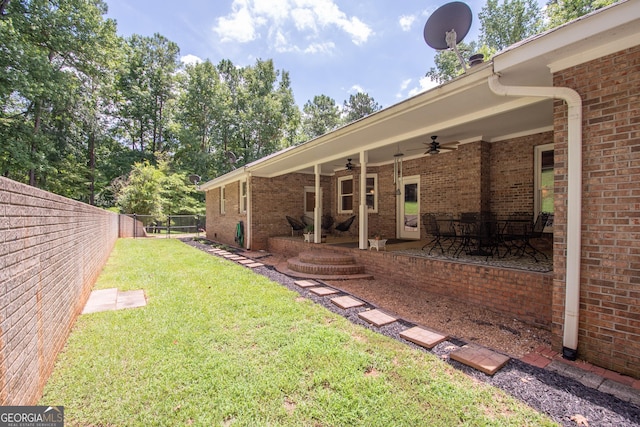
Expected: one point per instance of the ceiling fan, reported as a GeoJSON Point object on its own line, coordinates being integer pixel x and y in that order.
{"type": "Point", "coordinates": [433, 147]}
{"type": "Point", "coordinates": [349, 165]}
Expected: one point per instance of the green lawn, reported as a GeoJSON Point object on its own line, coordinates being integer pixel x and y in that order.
{"type": "Point", "coordinates": [220, 345]}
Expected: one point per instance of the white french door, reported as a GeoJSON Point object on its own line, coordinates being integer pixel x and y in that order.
{"type": "Point", "coordinates": [409, 208]}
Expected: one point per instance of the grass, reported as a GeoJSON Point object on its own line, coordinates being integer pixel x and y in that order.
{"type": "Point", "coordinates": [220, 345]}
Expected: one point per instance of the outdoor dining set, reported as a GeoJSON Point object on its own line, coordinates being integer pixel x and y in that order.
{"type": "Point", "coordinates": [484, 234]}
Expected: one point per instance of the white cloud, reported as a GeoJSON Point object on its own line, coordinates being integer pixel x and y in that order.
{"type": "Point", "coordinates": [425, 84]}
{"type": "Point", "coordinates": [190, 59]}
{"type": "Point", "coordinates": [406, 22]}
{"type": "Point", "coordinates": [239, 26]}
{"type": "Point", "coordinates": [249, 18]}
{"type": "Point", "coordinates": [326, 47]}
{"type": "Point", "coordinates": [356, 89]}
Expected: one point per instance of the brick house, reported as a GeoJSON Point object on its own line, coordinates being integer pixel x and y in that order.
{"type": "Point", "coordinates": [564, 102]}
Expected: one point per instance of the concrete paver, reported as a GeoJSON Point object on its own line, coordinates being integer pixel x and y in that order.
{"type": "Point", "coordinates": [101, 300]}
{"type": "Point", "coordinates": [423, 337]}
{"type": "Point", "coordinates": [112, 299]}
{"type": "Point", "coordinates": [377, 317]}
{"type": "Point", "coordinates": [306, 283]}
{"type": "Point", "coordinates": [254, 265]}
{"type": "Point", "coordinates": [322, 291]}
{"type": "Point", "coordinates": [480, 358]}
{"type": "Point", "coordinates": [346, 302]}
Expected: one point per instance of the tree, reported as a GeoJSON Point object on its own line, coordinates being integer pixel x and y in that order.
{"type": "Point", "coordinates": [447, 64]}
{"type": "Point", "coordinates": [358, 106]}
{"type": "Point", "coordinates": [146, 86]}
{"type": "Point", "coordinates": [55, 57]}
{"type": "Point", "coordinates": [560, 11]}
{"type": "Point", "coordinates": [509, 21]}
{"type": "Point", "coordinates": [200, 116]}
{"type": "Point", "coordinates": [319, 116]}
{"type": "Point", "coordinates": [142, 191]}
{"type": "Point", "coordinates": [157, 192]}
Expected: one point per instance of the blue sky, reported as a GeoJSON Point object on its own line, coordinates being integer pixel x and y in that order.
{"type": "Point", "coordinates": [330, 47]}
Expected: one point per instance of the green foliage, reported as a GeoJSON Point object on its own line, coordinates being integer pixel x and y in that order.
{"type": "Point", "coordinates": [156, 191]}
{"type": "Point", "coordinates": [560, 11]}
{"type": "Point", "coordinates": [505, 22]}
{"type": "Point", "coordinates": [218, 345]}
{"type": "Point", "coordinates": [320, 116]}
{"type": "Point", "coordinates": [358, 106]}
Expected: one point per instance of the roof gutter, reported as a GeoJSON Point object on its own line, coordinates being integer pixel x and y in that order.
{"type": "Point", "coordinates": [574, 199]}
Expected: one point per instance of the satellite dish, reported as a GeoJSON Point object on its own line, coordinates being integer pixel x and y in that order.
{"type": "Point", "coordinates": [195, 179]}
{"type": "Point", "coordinates": [448, 26]}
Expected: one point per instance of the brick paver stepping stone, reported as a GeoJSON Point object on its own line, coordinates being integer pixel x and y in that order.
{"type": "Point", "coordinates": [322, 291]}
{"type": "Point", "coordinates": [377, 317]}
{"type": "Point", "coordinates": [480, 358]}
{"type": "Point", "coordinates": [423, 337]}
{"type": "Point", "coordinates": [346, 302]}
{"type": "Point", "coordinates": [306, 283]}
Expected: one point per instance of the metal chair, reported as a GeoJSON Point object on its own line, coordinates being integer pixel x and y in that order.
{"type": "Point", "coordinates": [345, 225]}
{"type": "Point", "coordinates": [432, 229]}
{"type": "Point", "coordinates": [295, 224]}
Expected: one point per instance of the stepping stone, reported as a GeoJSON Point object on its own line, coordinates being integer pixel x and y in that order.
{"type": "Point", "coordinates": [101, 300]}
{"type": "Point", "coordinates": [131, 299]}
{"type": "Point", "coordinates": [346, 302]}
{"type": "Point", "coordinates": [228, 255]}
{"type": "Point", "coordinates": [423, 337]}
{"type": "Point", "coordinates": [246, 261]}
{"type": "Point", "coordinates": [480, 358]}
{"type": "Point", "coordinates": [323, 291]}
{"type": "Point", "coordinates": [254, 265]}
{"type": "Point", "coordinates": [236, 258]}
{"type": "Point", "coordinates": [305, 283]}
{"type": "Point", "coordinates": [377, 317]}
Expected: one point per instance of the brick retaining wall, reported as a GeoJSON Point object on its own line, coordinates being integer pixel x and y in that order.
{"type": "Point", "coordinates": [522, 294]}
{"type": "Point", "coordinates": [51, 252]}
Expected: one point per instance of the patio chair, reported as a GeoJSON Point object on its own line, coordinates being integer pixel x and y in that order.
{"type": "Point", "coordinates": [432, 229]}
{"type": "Point", "coordinates": [345, 225]}
{"type": "Point", "coordinates": [295, 224]}
{"type": "Point", "coordinates": [535, 233]}
{"type": "Point", "coordinates": [513, 233]}
{"type": "Point", "coordinates": [327, 222]}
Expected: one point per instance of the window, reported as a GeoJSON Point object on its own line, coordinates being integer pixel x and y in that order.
{"type": "Point", "coordinates": [345, 194]}
{"type": "Point", "coordinates": [222, 200]}
{"type": "Point", "coordinates": [243, 196]}
{"type": "Point", "coordinates": [543, 191]}
{"type": "Point", "coordinates": [372, 192]}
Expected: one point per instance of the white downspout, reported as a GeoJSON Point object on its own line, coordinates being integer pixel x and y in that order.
{"type": "Point", "coordinates": [248, 228]}
{"type": "Point", "coordinates": [364, 211]}
{"type": "Point", "coordinates": [574, 199]}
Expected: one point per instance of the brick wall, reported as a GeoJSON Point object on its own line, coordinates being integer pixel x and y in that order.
{"type": "Point", "coordinates": [222, 227]}
{"type": "Point", "coordinates": [609, 334]}
{"type": "Point", "coordinates": [524, 295]}
{"type": "Point", "coordinates": [51, 252]}
{"type": "Point", "coordinates": [512, 173]}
